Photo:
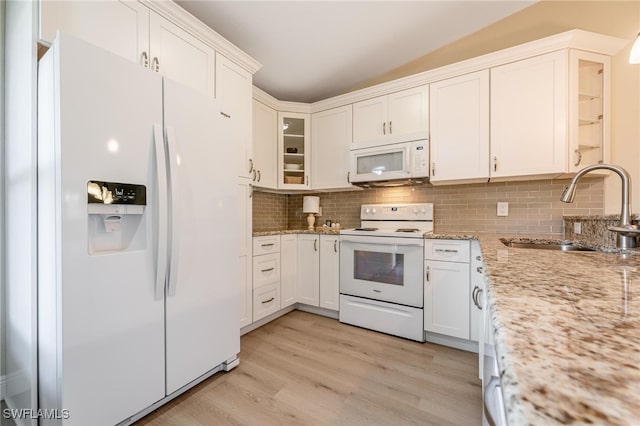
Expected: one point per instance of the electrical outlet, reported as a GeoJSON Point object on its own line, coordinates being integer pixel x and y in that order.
{"type": "Point", "coordinates": [502, 209]}
{"type": "Point", "coordinates": [577, 228]}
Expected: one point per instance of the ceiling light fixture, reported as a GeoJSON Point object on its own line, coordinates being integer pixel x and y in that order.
{"type": "Point", "coordinates": [634, 56]}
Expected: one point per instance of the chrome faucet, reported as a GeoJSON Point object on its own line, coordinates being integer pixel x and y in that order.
{"type": "Point", "coordinates": [627, 232]}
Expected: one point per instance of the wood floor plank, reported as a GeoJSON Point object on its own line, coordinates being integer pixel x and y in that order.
{"type": "Point", "coordinates": [306, 369]}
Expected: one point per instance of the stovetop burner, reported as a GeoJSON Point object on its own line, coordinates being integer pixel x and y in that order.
{"type": "Point", "coordinates": [407, 230]}
{"type": "Point", "coordinates": [367, 229]}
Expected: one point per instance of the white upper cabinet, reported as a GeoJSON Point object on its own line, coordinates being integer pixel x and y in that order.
{"type": "Point", "coordinates": [265, 146]}
{"type": "Point", "coordinates": [331, 135]}
{"type": "Point", "coordinates": [185, 53]}
{"type": "Point", "coordinates": [529, 109]}
{"type": "Point", "coordinates": [175, 53]}
{"type": "Point", "coordinates": [589, 80]}
{"type": "Point", "coordinates": [293, 150]}
{"type": "Point", "coordinates": [121, 27]}
{"type": "Point", "coordinates": [459, 129]}
{"type": "Point", "coordinates": [397, 117]}
{"type": "Point", "coordinates": [234, 90]}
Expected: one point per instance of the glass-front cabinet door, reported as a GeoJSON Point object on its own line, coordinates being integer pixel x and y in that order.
{"type": "Point", "coordinates": [589, 109]}
{"type": "Point", "coordinates": [293, 151]}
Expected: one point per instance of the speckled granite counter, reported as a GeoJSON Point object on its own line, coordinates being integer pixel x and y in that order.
{"type": "Point", "coordinates": [318, 230]}
{"type": "Point", "coordinates": [567, 328]}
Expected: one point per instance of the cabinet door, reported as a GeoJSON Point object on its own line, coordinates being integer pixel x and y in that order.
{"type": "Point", "coordinates": [331, 140]}
{"type": "Point", "coordinates": [446, 298]}
{"type": "Point", "coordinates": [529, 117]}
{"type": "Point", "coordinates": [245, 240]}
{"type": "Point", "coordinates": [329, 272]}
{"type": "Point", "coordinates": [370, 122]}
{"type": "Point", "coordinates": [293, 151]}
{"type": "Point", "coordinates": [265, 146]}
{"type": "Point", "coordinates": [309, 269]}
{"type": "Point", "coordinates": [408, 115]}
{"type": "Point", "coordinates": [288, 269]}
{"type": "Point", "coordinates": [121, 27]}
{"type": "Point", "coordinates": [234, 90]}
{"type": "Point", "coordinates": [180, 56]}
{"type": "Point", "coordinates": [589, 82]}
{"type": "Point", "coordinates": [459, 128]}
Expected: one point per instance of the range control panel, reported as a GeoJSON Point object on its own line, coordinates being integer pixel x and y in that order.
{"type": "Point", "coordinates": [416, 211]}
{"type": "Point", "coordinates": [99, 192]}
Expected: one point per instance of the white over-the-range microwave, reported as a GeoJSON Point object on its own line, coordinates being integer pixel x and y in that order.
{"type": "Point", "coordinates": [399, 163]}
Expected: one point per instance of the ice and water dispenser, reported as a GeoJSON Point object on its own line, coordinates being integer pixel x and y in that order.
{"type": "Point", "coordinates": [116, 216]}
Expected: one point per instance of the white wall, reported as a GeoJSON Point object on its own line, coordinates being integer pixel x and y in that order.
{"type": "Point", "coordinates": [20, 207]}
{"type": "Point", "coordinates": [625, 128]}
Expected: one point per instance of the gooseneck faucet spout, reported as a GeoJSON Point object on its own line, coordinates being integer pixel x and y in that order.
{"type": "Point", "coordinates": [626, 231]}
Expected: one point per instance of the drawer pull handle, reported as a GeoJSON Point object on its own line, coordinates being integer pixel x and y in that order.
{"type": "Point", "coordinates": [268, 245]}
{"type": "Point", "coordinates": [268, 270]}
{"type": "Point", "coordinates": [446, 251]}
{"type": "Point", "coordinates": [268, 301]}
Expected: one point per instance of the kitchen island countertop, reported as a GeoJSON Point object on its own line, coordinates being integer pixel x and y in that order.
{"type": "Point", "coordinates": [567, 331]}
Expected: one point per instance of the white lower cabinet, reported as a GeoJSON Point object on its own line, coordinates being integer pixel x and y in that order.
{"type": "Point", "coordinates": [244, 254]}
{"type": "Point", "coordinates": [266, 300]}
{"type": "Point", "coordinates": [294, 268]}
{"type": "Point", "coordinates": [288, 269]}
{"type": "Point", "coordinates": [266, 276]}
{"type": "Point", "coordinates": [446, 295]}
{"type": "Point", "coordinates": [309, 269]}
{"type": "Point", "coordinates": [329, 272]}
{"type": "Point", "coordinates": [476, 286]}
{"type": "Point", "coordinates": [318, 270]}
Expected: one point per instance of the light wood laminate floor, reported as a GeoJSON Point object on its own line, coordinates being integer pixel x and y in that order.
{"type": "Point", "coordinates": [306, 369]}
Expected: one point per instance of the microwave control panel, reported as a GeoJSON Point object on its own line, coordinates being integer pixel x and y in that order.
{"type": "Point", "coordinates": [420, 159]}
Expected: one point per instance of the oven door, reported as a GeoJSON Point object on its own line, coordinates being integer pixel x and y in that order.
{"type": "Point", "coordinates": [382, 268]}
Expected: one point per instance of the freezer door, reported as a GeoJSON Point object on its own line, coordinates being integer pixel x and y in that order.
{"type": "Point", "coordinates": [101, 328]}
{"type": "Point", "coordinates": [202, 291]}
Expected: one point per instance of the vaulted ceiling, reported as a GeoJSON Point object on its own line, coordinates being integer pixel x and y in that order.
{"type": "Point", "coordinates": [312, 50]}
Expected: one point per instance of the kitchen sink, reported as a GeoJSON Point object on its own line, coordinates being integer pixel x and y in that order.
{"type": "Point", "coordinates": [545, 245]}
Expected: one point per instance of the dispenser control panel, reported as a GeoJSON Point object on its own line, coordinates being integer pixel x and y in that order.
{"type": "Point", "coordinates": [99, 192]}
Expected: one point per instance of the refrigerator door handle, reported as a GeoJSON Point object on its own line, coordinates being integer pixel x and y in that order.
{"type": "Point", "coordinates": [174, 164]}
{"type": "Point", "coordinates": [161, 169]}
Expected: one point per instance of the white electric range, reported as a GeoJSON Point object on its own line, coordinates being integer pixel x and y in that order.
{"type": "Point", "coordinates": [382, 269]}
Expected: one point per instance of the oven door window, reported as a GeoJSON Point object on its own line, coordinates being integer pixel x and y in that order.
{"type": "Point", "coordinates": [386, 268]}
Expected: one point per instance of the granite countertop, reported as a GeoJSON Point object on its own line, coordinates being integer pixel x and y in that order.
{"type": "Point", "coordinates": [567, 331]}
{"type": "Point", "coordinates": [317, 230]}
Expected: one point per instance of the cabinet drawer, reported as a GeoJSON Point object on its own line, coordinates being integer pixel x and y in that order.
{"type": "Point", "coordinates": [266, 269]}
{"type": "Point", "coordinates": [266, 245]}
{"type": "Point", "coordinates": [447, 250]}
{"type": "Point", "coordinates": [266, 300]}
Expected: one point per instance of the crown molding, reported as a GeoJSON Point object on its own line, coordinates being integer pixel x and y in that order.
{"type": "Point", "coordinates": [573, 39]}
{"type": "Point", "coordinates": [182, 18]}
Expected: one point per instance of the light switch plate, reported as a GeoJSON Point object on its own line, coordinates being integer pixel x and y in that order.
{"type": "Point", "coordinates": [577, 228]}
{"type": "Point", "coordinates": [502, 209]}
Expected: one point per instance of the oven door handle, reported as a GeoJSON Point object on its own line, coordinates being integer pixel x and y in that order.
{"type": "Point", "coordinates": [382, 241]}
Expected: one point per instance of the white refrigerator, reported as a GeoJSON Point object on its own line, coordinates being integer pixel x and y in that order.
{"type": "Point", "coordinates": [137, 251]}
